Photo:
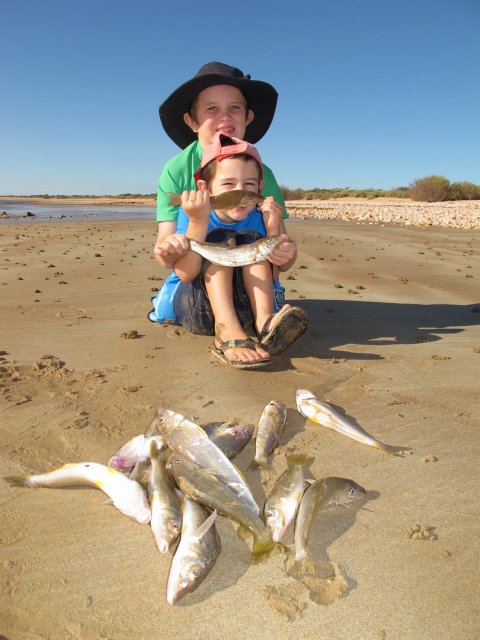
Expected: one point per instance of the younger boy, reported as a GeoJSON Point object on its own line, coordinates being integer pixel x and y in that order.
{"type": "Point", "coordinates": [217, 300]}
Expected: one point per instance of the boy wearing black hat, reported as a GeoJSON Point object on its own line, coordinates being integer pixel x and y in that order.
{"type": "Point", "coordinates": [220, 98]}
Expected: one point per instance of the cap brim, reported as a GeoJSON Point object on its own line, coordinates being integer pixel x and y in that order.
{"type": "Point", "coordinates": [261, 99]}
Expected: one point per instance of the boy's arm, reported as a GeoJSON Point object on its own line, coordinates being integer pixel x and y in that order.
{"type": "Point", "coordinates": [271, 188]}
{"type": "Point", "coordinates": [285, 254]}
{"type": "Point", "coordinates": [172, 249]}
{"type": "Point", "coordinates": [196, 205]}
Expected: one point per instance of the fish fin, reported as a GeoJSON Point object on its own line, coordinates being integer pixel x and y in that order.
{"type": "Point", "coordinates": [175, 199]}
{"type": "Point", "coordinates": [154, 452]}
{"type": "Point", "coordinates": [298, 458]}
{"type": "Point", "coordinates": [229, 243]}
{"type": "Point", "coordinates": [262, 550]}
{"type": "Point", "coordinates": [205, 526]}
{"type": "Point", "coordinates": [18, 481]}
{"type": "Point", "coordinates": [244, 533]}
{"type": "Point", "coordinates": [133, 475]}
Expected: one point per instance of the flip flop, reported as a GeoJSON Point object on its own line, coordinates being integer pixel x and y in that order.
{"type": "Point", "coordinates": [287, 328]}
{"type": "Point", "coordinates": [248, 343]}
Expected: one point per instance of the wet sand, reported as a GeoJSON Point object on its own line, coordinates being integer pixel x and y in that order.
{"type": "Point", "coordinates": [393, 343]}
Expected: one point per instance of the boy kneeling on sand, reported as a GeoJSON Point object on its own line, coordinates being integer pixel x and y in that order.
{"type": "Point", "coordinates": [212, 299]}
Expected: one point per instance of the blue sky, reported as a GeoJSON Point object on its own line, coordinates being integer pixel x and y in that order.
{"type": "Point", "coordinates": [372, 93]}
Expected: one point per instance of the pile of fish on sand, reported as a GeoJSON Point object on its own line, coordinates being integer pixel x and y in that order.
{"type": "Point", "coordinates": [178, 476]}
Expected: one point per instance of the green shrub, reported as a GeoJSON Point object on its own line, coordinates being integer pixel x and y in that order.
{"type": "Point", "coordinates": [464, 191]}
{"type": "Point", "coordinates": [430, 189]}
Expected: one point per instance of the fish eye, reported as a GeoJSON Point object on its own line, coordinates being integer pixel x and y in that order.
{"type": "Point", "coordinates": [176, 525]}
{"type": "Point", "coordinates": [196, 571]}
{"type": "Point", "coordinates": [269, 514]}
{"type": "Point", "coordinates": [352, 491]}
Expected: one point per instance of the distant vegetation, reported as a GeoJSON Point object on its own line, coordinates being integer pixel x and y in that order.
{"type": "Point", "coordinates": [46, 196]}
{"type": "Point", "coordinates": [327, 194]}
{"type": "Point", "coordinates": [429, 189]}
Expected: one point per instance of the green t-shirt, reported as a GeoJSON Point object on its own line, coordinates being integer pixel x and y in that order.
{"type": "Point", "coordinates": [178, 176]}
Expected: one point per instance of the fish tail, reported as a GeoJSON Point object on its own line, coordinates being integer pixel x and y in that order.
{"type": "Point", "coordinates": [262, 549]}
{"type": "Point", "coordinates": [303, 567]}
{"type": "Point", "coordinates": [298, 458]}
{"type": "Point", "coordinates": [19, 481]}
{"type": "Point", "coordinates": [175, 199]}
{"type": "Point", "coordinates": [261, 463]}
{"type": "Point", "coordinates": [393, 450]}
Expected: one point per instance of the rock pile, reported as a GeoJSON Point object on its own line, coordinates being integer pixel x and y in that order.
{"type": "Point", "coordinates": [460, 215]}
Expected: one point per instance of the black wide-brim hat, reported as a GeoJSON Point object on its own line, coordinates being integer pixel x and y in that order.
{"type": "Point", "coordinates": [261, 98]}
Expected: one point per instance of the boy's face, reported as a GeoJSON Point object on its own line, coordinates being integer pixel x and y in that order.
{"type": "Point", "coordinates": [235, 173]}
{"type": "Point", "coordinates": [220, 108]}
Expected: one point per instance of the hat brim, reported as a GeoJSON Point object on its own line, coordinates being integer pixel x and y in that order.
{"type": "Point", "coordinates": [261, 99]}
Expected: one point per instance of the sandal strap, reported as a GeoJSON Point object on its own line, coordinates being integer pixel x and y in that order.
{"type": "Point", "coordinates": [264, 330]}
{"type": "Point", "coordinates": [246, 343]}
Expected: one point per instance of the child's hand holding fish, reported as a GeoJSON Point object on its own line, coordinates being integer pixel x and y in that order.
{"type": "Point", "coordinates": [197, 206]}
{"type": "Point", "coordinates": [284, 254]}
{"type": "Point", "coordinates": [172, 248]}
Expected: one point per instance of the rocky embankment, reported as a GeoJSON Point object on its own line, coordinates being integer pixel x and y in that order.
{"type": "Point", "coordinates": [460, 215]}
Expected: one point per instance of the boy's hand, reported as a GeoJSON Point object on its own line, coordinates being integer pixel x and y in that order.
{"type": "Point", "coordinates": [172, 248]}
{"type": "Point", "coordinates": [272, 213]}
{"type": "Point", "coordinates": [284, 254]}
{"type": "Point", "coordinates": [196, 205]}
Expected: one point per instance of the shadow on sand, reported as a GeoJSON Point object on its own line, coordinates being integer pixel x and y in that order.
{"type": "Point", "coordinates": [336, 323]}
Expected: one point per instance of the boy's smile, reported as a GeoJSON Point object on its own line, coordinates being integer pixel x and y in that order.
{"type": "Point", "coordinates": [235, 173]}
{"type": "Point", "coordinates": [220, 108]}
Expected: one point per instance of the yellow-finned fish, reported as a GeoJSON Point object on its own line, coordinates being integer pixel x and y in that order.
{"type": "Point", "coordinates": [196, 553]}
{"type": "Point", "coordinates": [203, 486]}
{"type": "Point", "coordinates": [126, 494]}
{"type": "Point", "coordinates": [269, 430]}
{"type": "Point", "coordinates": [322, 413]}
{"type": "Point", "coordinates": [189, 440]}
{"type": "Point", "coordinates": [240, 256]}
{"type": "Point", "coordinates": [282, 504]}
{"type": "Point", "coordinates": [166, 521]}
{"type": "Point", "coordinates": [320, 495]}
{"type": "Point", "coordinates": [226, 200]}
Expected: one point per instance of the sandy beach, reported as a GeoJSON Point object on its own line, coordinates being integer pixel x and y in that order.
{"type": "Point", "coordinates": [393, 343]}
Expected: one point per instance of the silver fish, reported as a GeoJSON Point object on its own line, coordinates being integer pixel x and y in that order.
{"type": "Point", "coordinates": [204, 487]}
{"type": "Point", "coordinates": [188, 439]}
{"type": "Point", "coordinates": [230, 437]}
{"type": "Point", "coordinates": [322, 413]}
{"type": "Point", "coordinates": [166, 521]}
{"type": "Point", "coordinates": [237, 256]}
{"type": "Point", "coordinates": [269, 430]}
{"type": "Point", "coordinates": [196, 553]}
{"type": "Point", "coordinates": [320, 495]}
{"type": "Point", "coordinates": [135, 450]}
{"type": "Point", "coordinates": [282, 504]}
{"type": "Point", "coordinates": [226, 200]}
{"type": "Point", "coordinates": [126, 494]}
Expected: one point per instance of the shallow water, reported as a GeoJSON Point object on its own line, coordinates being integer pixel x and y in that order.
{"type": "Point", "coordinates": [72, 212]}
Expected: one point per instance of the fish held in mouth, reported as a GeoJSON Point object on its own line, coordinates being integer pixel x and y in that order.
{"type": "Point", "coordinates": [226, 200]}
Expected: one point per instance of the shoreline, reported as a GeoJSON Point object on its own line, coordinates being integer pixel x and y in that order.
{"type": "Point", "coordinates": [463, 214]}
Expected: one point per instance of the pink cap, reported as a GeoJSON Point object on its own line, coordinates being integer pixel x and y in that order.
{"type": "Point", "coordinates": [225, 147]}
